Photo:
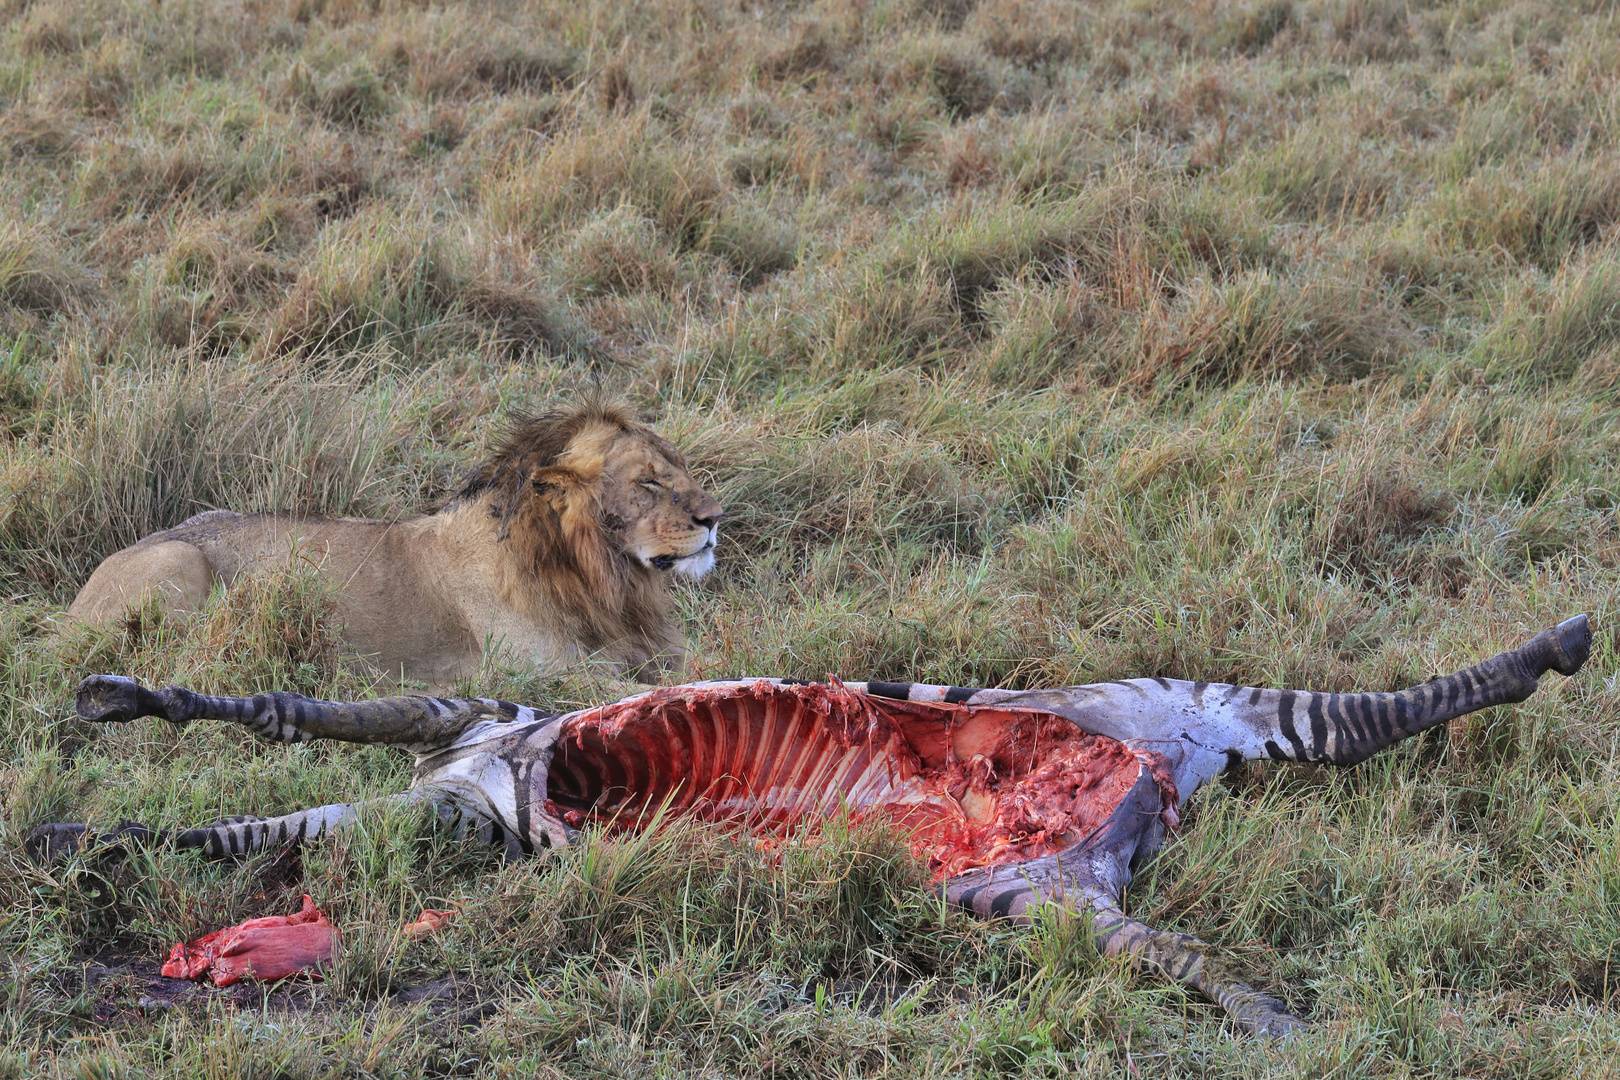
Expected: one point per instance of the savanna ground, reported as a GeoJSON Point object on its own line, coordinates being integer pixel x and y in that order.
{"type": "Point", "coordinates": [1027, 342]}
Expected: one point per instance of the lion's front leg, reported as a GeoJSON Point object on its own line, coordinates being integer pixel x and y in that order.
{"type": "Point", "coordinates": [417, 722]}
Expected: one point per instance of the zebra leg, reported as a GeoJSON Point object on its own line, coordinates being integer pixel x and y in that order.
{"type": "Point", "coordinates": [1203, 728]}
{"type": "Point", "coordinates": [416, 722]}
{"type": "Point", "coordinates": [1193, 963]}
{"type": "Point", "coordinates": [56, 841]}
{"type": "Point", "coordinates": [1089, 880]}
{"type": "Point", "coordinates": [248, 835]}
{"type": "Point", "coordinates": [1070, 882]}
{"type": "Point", "coordinates": [239, 835]}
{"type": "Point", "coordinates": [1343, 729]}
{"type": "Point", "coordinates": [1337, 729]}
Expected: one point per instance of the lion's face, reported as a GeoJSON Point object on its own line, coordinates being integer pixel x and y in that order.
{"type": "Point", "coordinates": [661, 517]}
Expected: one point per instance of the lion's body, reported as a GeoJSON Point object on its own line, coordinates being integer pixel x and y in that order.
{"type": "Point", "coordinates": [418, 597]}
{"type": "Point", "coordinates": [557, 550]}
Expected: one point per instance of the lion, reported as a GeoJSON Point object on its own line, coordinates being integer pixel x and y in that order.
{"type": "Point", "coordinates": [557, 549]}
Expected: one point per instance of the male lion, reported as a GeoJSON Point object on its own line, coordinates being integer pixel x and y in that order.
{"type": "Point", "coordinates": [557, 548]}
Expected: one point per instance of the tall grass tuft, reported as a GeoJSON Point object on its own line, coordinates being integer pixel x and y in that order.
{"type": "Point", "coordinates": [377, 283]}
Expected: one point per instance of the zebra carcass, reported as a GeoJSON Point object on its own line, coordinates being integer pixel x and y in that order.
{"type": "Point", "coordinates": [1016, 799]}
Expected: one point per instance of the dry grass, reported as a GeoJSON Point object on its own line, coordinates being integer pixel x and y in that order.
{"type": "Point", "coordinates": [1026, 341]}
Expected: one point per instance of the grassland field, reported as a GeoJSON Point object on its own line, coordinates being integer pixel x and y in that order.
{"type": "Point", "coordinates": [1027, 342]}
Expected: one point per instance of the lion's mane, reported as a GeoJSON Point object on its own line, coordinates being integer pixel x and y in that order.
{"type": "Point", "coordinates": [563, 562]}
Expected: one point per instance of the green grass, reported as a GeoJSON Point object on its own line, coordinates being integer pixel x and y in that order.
{"type": "Point", "coordinates": [1027, 342]}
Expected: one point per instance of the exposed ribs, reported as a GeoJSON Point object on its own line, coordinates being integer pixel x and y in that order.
{"type": "Point", "coordinates": [973, 786]}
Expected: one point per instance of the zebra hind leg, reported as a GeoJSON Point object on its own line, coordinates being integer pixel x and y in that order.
{"type": "Point", "coordinates": [1197, 964]}
{"type": "Point", "coordinates": [1089, 880]}
{"type": "Point", "coordinates": [1075, 884]}
{"type": "Point", "coordinates": [1563, 648]}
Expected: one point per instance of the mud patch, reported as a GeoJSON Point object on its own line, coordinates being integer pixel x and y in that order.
{"type": "Point", "coordinates": [120, 987]}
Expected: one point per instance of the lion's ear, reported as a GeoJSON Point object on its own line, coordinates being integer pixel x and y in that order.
{"type": "Point", "coordinates": [569, 496]}
{"type": "Point", "coordinates": [567, 493]}
{"type": "Point", "coordinates": [556, 476]}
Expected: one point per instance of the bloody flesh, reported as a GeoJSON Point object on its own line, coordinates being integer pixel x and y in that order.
{"type": "Point", "coordinates": [974, 786]}
{"type": "Point", "coordinates": [266, 949]}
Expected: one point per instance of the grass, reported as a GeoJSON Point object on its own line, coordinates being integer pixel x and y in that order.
{"type": "Point", "coordinates": [1026, 341]}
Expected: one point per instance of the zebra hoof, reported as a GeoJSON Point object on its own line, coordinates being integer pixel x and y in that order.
{"type": "Point", "coordinates": [56, 841]}
{"type": "Point", "coordinates": [1280, 1025]}
{"type": "Point", "coordinates": [1260, 1014]}
{"type": "Point", "coordinates": [1562, 648]}
{"type": "Point", "coordinates": [111, 699]}
{"type": "Point", "coordinates": [1574, 637]}
{"type": "Point", "coordinates": [50, 843]}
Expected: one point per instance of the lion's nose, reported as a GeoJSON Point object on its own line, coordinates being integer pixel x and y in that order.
{"type": "Point", "coordinates": [707, 515]}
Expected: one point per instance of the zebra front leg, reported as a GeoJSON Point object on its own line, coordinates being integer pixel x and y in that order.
{"type": "Point", "coordinates": [238, 835]}
{"type": "Point", "coordinates": [246, 834]}
{"type": "Point", "coordinates": [417, 722]}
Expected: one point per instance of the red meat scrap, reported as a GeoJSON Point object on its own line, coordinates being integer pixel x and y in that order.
{"type": "Point", "coordinates": [265, 949]}
{"type": "Point", "coordinates": [430, 922]}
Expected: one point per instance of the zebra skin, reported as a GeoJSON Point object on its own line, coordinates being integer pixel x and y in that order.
{"type": "Point", "coordinates": [1018, 799]}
